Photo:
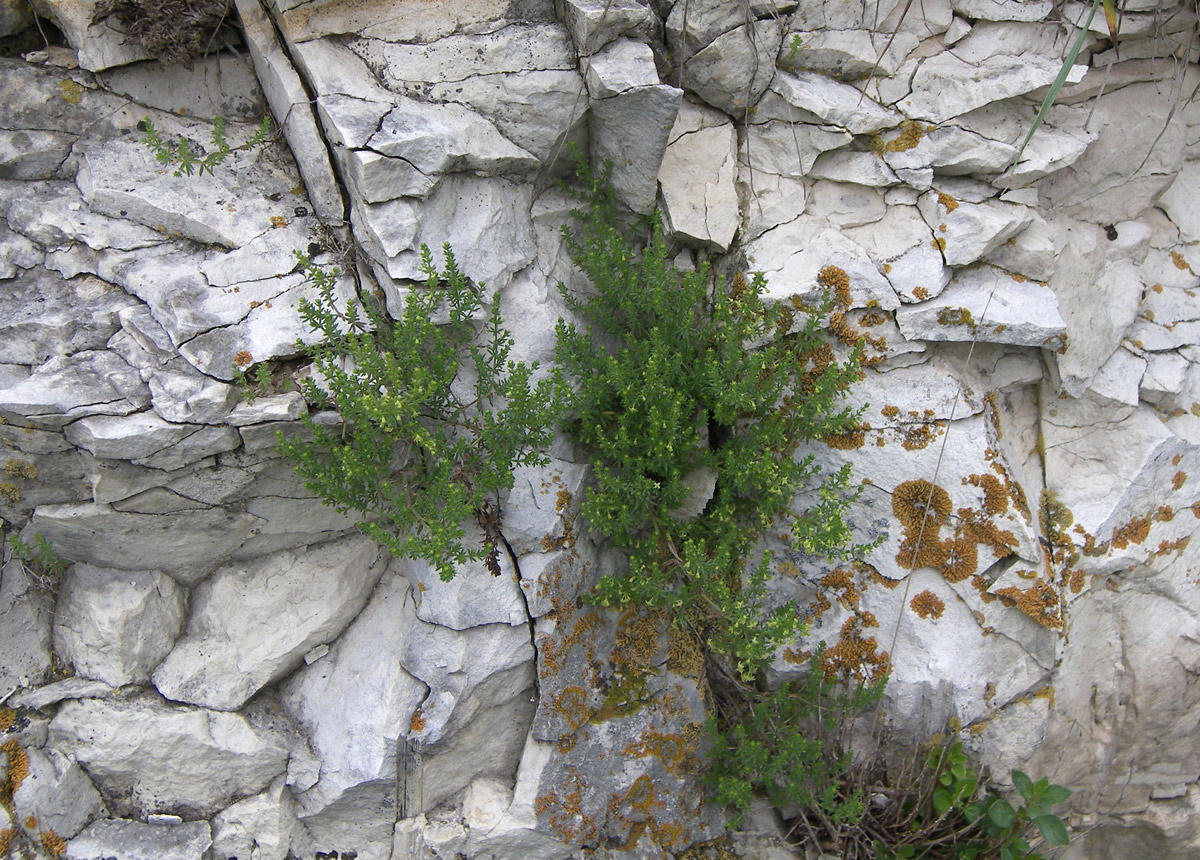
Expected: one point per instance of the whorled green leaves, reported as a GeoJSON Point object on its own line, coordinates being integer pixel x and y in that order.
{"type": "Point", "coordinates": [674, 381]}
{"type": "Point", "coordinates": [435, 415]}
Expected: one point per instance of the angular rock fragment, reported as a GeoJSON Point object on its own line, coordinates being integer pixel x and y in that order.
{"type": "Point", "coordinates": [132, 840]}
{"type": "Point", "coordinates": [57, 794]}
{"type": "Point", "coordinates": [91, 382]}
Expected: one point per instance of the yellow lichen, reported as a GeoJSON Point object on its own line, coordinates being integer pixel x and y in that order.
{"type": "Point", "coordinates": [7, 717]}
{"type": "Point", "coordinates": [54, 844]}
{"type": "Point", "coordinates": [1134, 531]}
{"type": "Point", "coordinates": [278, 221]}
{"type": "Point", "coordinates": [1179, 480]}
{"type": "Point", "coordinates": [948, 202]}
{"type": "Point", "coordinates": [920, 293]}
{"type": "Point", "coordinates": [955, 316]}
{"type": "Point", "coordinates": [836, 280]}
{"type": "Point", "coordinates": [243, 359]}
{"type": "Point", "coordinates": [17, 769]}
{"type": "Point", "coordinates": [1179, 261]}
{"type": "Point", "coordinates": [961, 559]}
{"type": "Point", "coordinates": [928, 605]}
{"type": "Point", "coordinates": [919, 502]}
{"type": "Point", "coordinates": [72, 93]}
{"type": "Point", "coordinates": [20, 469]}
{"type": "Point", "coordinates": [1040, 602]}
{"type": "Point", "coordinates": [910, 135]}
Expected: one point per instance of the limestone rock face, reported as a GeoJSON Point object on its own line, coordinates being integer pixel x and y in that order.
{"type": "Point", "coordinates": [163, 758]}
{"type": "Point", "coordinates": [250, 624]}
{"type": "Point", "coordinates": [116, 626]}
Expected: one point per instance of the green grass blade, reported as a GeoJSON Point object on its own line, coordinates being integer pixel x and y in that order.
{"type": "Point", "coordinates": [1056, 87]}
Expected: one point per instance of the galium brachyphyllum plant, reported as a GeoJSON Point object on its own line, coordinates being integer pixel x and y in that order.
{"type": "Point", "coordinates": [678, 377]}
{"type": "Point", "coordinates": [436, 415]}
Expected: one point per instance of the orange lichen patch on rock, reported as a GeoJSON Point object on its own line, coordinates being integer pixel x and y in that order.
{"type": "Point", "coordinates": [278, 221]}
{"type": "Point", "coordinates": [889, 411]}
{"type": "Point", "coordinates": [842, 582]}
{"type": "Point", "coordinates": [566, 742]}
{"type": "Point", "coordinates": [417, 724]}
{"type": "Point", "coordinates": [685, 657]}
{"type": "Point", "coordinates": [1173, 545]}
{"type": "Point", "coordinates": [962, 559]}
{"type": "Point", "coordinates": [1164, 514]}
{"type": "Point", "coordinates": [814, 363]}
{"type": "Point", "coordinates": [572, 704]}
{"type": "Point", "coordinates": [980, 530]}
{"type": "Point", "coordinates": [919, 502]}
{"type": "Point", "coordinates": [677, 752]}
{"type": "Point", "coordinates": [796, 656]}
{"type": "Point", "coordinates": [848, 440]}
{"type": "Point", "coordinates": [243, 359]}
{"type": "Point", "coordinates": [1179, 480]}
{"type": "Point", "coordinates": [54, 844]}
{"type": "Point", "coordinates": [554, 649]}
{"type": "Point", "coordinates": [1179, 261]}
{"type": "Point", "coordinates": [7, 717]}
{"type": "Point", "coordinates": [836, 280]}
{"type": "Point", "coordinates": [948, 202]}
{"type": "Point", "coordinates": [995, 495]}
{"type": "Point", "coordinates": [920, 293]}
{"type": "Point", "coordinates": [1134, 531]}
{"type": "Point", "coordinates": [918, 437]}
{"type": "Point", "coordinates": [910, 135]}
{"type": "Point", "coordinates": [564, 811]}
{"type": "Point", "coordinates": [1075, 580]}
{"type": "Point", "coordinates": [855, 657]}
{"type": "Point", "coordinates": [879, 579]}
{"type": "Point", "coordinates": [928, 605]}
{"type": "Point", "coordinates": [16, 770]}
{"type": "Point", "coordinates": [641, 795]}
{"type": "Point", "coordinates": [932, 552]}
{"type": "Point", "coordinates": [1040, 602]}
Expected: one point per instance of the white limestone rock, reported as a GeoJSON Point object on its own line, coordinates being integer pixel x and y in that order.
{"type": "Point", "coordinates": [252, 624]}
{"type": "Point", "coordinates": [54, 215]}
{"type": "Point", "coordinates": [68, 316]}
{"type": "Point", "coordinates": [1099, 187]}
{"type": "Point", "coordinates": [542, 501]}
{"type": "Point", "coordinates": [25, 625]}
{"type": "Point", "coordinates": [699, 196]}
{"type": "Point", "coordinates": [187, 546]}
{"type": "Point", "coordinates": [214, 86]}
{"type": "Point", "coordinates": [1119, 379]}
{"type": "Point", "coordinates": [690, 29]}
{"type": "Point", "coordinates": [288, 406]}
{"type": "Point", "coordinates": [39, 698]}
{"type": "Point", "coordinates": [270, 255]}
{"type": "Point", "coordinates": [376, 178]}
{"type": "Point", "coordinates": [120, 839]}
{"type": "Point", "coordinates": [290, 104]}
{"type": "Point", "coordinates": [860, 168]}
{"type": "Point", "coordinates": [162, 758]}
{"type": "Point", "coordinates": [14, 17]}
{"type": "Point", "coordinates": [965, 231]}
{"type": "Point", "coordinates": [17, 253]}
{"type": "Point", "coordinates": [735, 68]}
{"type": "Point", "coordinates": [116, 626]}
{"type": "Point", "coordinates": [1033, 252]}
{"type": "Point", "coordinates": [32, 153]}
{"type": "Point", "coordinates": [834, 103]}
{"type": "Point", "coordinates": [147, 440]}
{"type": "Point", "coordinates": [447, 138]}
{"type": "Point", "coordinates": [91, 382]}
{"type": "Point", "coordinates": [594, 23]}
{"type": "Point", "coordinates": [998, 10]}
{"type": "Point", "coordinates": [988, 305]}
{"type": "Point", "coordinates": [472, 598]}
{"type": "Point", "coordinates": [1180, 202]}
{"type": "Point", "coordinates": [845, 55]}
{"type": "Point", "coordinates": [58, 794]}
{"type": "Point", "coordinates": [1099, 294]}
{"type": "Point", "coordinates": [262, 827]}
{"type": "Point", "coordinates": [793, 254]}
{"type": "Point", "coordinates": [100, 46]}
{"type": "Point", "coordinates": [845, 205]}
{"type": "Point", "coordinates": [950, 150]}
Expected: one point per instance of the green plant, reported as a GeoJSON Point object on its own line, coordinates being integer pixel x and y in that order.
{"type": "Point", "coordinates": [190, 162]}
{"type": "Point", "coordinates": [790, 746]}
{"type": "Point", "coordinates": [436, 416]}
{"type": "Point", "coordinates": [39, 560]}
{"type": "Point", "coordinates": [676, 387]}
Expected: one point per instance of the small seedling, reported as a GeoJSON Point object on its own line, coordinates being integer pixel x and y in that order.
{"type": "Point", "coordinates": [191, 162]}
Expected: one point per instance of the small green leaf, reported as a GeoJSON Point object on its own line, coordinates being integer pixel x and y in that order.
{"type": "Point", "coordinates": [1001, 813]}
{"type": "Point", "coordinates": [1006, 853]}
{"type": "Point", "coordinates": [1052, 829]}
{"type": "Point", "coordinates": [906, 851]}
{"type": "Point", "coordinates": [1023, 783]}
{"type": "Point", "coordinates": [1055, 794]}
{"type": "Point", "coordinates": [974, 811]}
{"type": "Point", "coordinates": [941, 800]}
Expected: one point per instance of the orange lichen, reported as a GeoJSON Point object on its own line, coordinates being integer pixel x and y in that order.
{"type": "Point", "coordinates": [572, 704]}
{"type": "Point", "coordinates": [1179, 480]}
{"type": "Point", "coordinates": [564, 811]}
{"type": "Point", "coordinates": [243, 359]}
{"type": "Point", "coordinates": [6, 838]}
{"type": "Point", "coordinates": [855, 657]}
{"type": "Point", "coordinates": [919, 502]}
{"type": "Point", "coordinates": [843, 583]}
{"type": "Point", "coordinates": [961, 561]}
{"type": "Point", "coordinates": [910, 135]}
{"type": "Point", "coordinates": [948, 202]}
{"type": "Point", "coordinates": [848, 440]}
{"type": "Point", "coordinates": [1134, 531]}
{"type": "Point", "coordinates": [918, 437]}
{"type": "Point", "coordinates": [54, 844]}
{"type": "Point", "coordinates": [835, 279]}
{"type": "Point", "coordinates": [30, 822]}
{"type": "Point", "coordinates": [995, 496]}
{"type": "Point", "coordinates": [1076, 580]}
{"type": "Point", "coordinates": [890, 411]}
{"type": "Point", "coordinates": [928, 605]}
{"type": "Point", "coordinates": [1040, 602]}
{"type": "Point", "coordinates": [417, 724]}
{"type": "Point", "coordinates": [278, 221]}
{"type": "Point", "coordinates": [641, 795]}
{"type": "Point", "coordinates": [920, 293]}
{"type": "Point", "coordinates": [1179, 261]}
{"type": "Point", "coordinates": [18, 769]}
{"type": "Point", "coordinates": [7, 717]}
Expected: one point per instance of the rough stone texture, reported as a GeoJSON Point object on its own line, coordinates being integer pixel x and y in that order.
{"type": "Point", "coordinates": [157, 757]}
{"type": "Point", "coordinates": [116, 626]}
{"type": "Point", "coordinates": [58, 794]}
{"type": "Point", "coordinates": [702, 148]}
{"type": "Point", "coordinates": [133, 840]}
{"type": "Point", "coordinates": [25, 625]}
{"type": "Point", "coordinates": [261, 827]}
{"type": "Point", "coordinates": [251, 624]}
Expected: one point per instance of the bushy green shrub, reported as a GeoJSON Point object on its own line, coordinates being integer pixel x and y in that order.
{"type": "Point", "coordinates": [436, 416]}
{"type": "Point", "coordinates": [675, 382]}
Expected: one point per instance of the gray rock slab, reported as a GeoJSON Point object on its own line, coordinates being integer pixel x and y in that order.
{"type": "Point", "coordinates": [735, 69]}
{"type": "Point", "coordinates": [147, 440]}
{"type": "Point", "coordinates": [17, 253]}
{"type": "Point", "coordinates": [218, 85]}
{"type": "Point", "coordinates": [861, 168]}
{"type": "Point", "coordinates": [54, 215]}
{"type": "Point", "coordinates": [447, 138]}
{"type": "Point", "coordinates": [163, 758]}
{"type": "Point", "coordinates": [996, 10]}
{"type": "Point", "coordinates": [116, 626]}
{"type": "Point", "coordinates": [966, 232]}
{"type": "Point", "coordinates": [700, 202]}
{"type": "Point", "coordinates": [845, 55]}
{"type": "Point", "coordinates": [988, 305]}
{"type": "Point", "coordinates": [471, 598]}
{"type": "Point", "coordinates": [25, 624]}
{"type": "Point", "coordinates": [348, 121]}
{"type": "Point", "coordinates": [58, 794]}
{"type": "Point", "coordinates": [61, 691]}
{"type": "Point", "coordinates": [952, 151]}
{"type": "Point", "coordinates": [622, 65]}
{"type": "Point", "coordinates": [32, 153]}
{"type": "Point", "coordinates": [594, 23]}
{"type": "Point", "coordinates": [644, 115]}
{"type": "Point", "coordinates": [187, 546]}
{"type": "Point", "coordinates": [946, 86]}
{"type": "Point", "coordinates": [290, 103]}
{"type": "Point", "coordinates": [90, 382]}
{"type": "Point", "coordinates": [121, 178]}
{"type": "Point", "coordinates": [100, 46]}
{"type": "Point", "coordinates": [835, 103]}
{"type": "Point", "coordinates": [252, 624]}
{"type": "Point", "coordinates": [276, 407]}
{"type": "Point", "coordinates": [14, 17]}
{"type": "Point", "coordinates": [263, 826]}
{"type": "Point", "coordinates": [43, 316]}
{"type": "Point", "coordinates": [119, 839]}
{"type": "Point", "coordinates": [377, 178]}
{"type": "Point", "coordinates": [690, 30]}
